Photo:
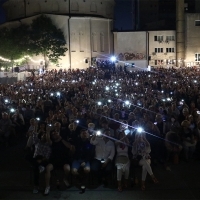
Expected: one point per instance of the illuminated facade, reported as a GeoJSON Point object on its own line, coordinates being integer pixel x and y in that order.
{"type": "Point", "coordinates": [87, 26]}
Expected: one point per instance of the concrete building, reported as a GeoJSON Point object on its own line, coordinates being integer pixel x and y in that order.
{"type": "Point", "coordinates": [87, 26]}
{"type": "Point", "coordinates": [131, 48]}
{"type": "Point", "coordinates": [192, 39]}
{"type": "Point", "coordinates": [162, 48]}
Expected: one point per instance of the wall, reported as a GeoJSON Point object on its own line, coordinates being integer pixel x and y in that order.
{"type": "Point", "coordinates": [131, 47]}
{"type": "Point", "coordinates": [162, 44]}
{"type": "Point", "coordinates": [89, 37]}
{"type": "Point", "coordinates": [16, 9]}
{"type": "Point", "coordinates": [192, 43]}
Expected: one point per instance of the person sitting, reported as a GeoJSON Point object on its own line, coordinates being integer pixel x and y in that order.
{"type": "Point", "coordinates": [5, 127]}
{"type": "Point", "coordinates": [122, 159]}
{"type": "Point", "coordinates": [104, 154]}
{"type": "Point", "coordinates": [140, 150]}
{"type": "Point", "coordinates": [59, 158]}
{"type": "Point", "coordinates": [188, 140]}
{"type": "Point", "coordinates": [173, 147]}
{"type": "Point", "coordinates": [84, 153]}
{"type": "Point", "coordinates": [41, 155]}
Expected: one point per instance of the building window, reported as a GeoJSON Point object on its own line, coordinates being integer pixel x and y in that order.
{"type": "Point", "coordinates": [94, 42]}
{"type": "Point", "coordinates": [74, 6]}
{"type": "Point", "coordinates": [170, 38]}
{"type": "Point", "coordinates": [197, 22]}
{"type": "Point", "coordinates": [102, 42]}
{"type": "Point", "coordinates": [197, 57]}
{"type": "Point", "coordinates": [158, 50]}
{"type": "Point", "coordinates": [170, 50]}
{"type": "Point", "coordinates": [93, 7]}
{"type": "Point", "coordinates": [168, 62]}
{"type": "Point", "coordinates": [81, 41]}
{"type": "Point", "coordinates": [158, 38]}
{"type": "Point", "coordinates": [158, 62]}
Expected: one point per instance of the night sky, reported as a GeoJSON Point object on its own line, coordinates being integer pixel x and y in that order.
{"type": "Point", "coordinates": [122, 18]}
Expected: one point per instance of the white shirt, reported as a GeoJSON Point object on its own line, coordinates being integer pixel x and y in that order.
{"type": "Point", "coordinates": [103, 150]}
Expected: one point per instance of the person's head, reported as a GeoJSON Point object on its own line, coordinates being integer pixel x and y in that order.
{"type": "Point", "coordinates": [55, 135]}
{"type": "Point", "coordinates": [185, 124]}
{"type": "Point", "coordinates": [32, 121]}
{"type": "Point", "coordinates": [71, 127]}
{"type": "Point", "coordinates": [44, 138]}
{"type": "Point", "coordinates": [131, 115]}
{"type": "Point", "coordinates": [198, 124]}
{"type": "Point", "coordinates": [84, 134]}
{"type": "Point", "coordinates": [91, 126]}
{"type": "Point", "coordinates": [57, 126]}
{"type": "Point", "coordinates": [158, 118]}
{"type": "Point", "coordinates": [5, 115]}
{"type": "Point", "coordinates": [107, 133]}
{"type": "Point", "coordinates": [64, 120]}
{"type": "Point", "coordinates": [42, 126]}
{"type": "Point", "coordinates": [116, 116]}
{"type": "Point", "coordinates": [185, 112]}
{"type": "Point", "coordinates": [140, 136]}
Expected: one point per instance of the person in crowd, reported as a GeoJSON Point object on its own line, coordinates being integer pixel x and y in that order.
{"type": "Point", "coordinates": [122, 159]}
{"type": "Point", "coordinates": [104, 154]}
{"type": "Point", "coordinates": [84, 153]}
{"type": "Point", "coordinates": [60, 159]}
{"type": "Point", "coordinates": [41, 155]}
{"type": "Point", "coordinates": [141, 151]}
{"type": "Point", "coordinates": [188, 140]}
{"type": "Point", "coordinates": [173, 147]}
{"type": "Point", "coordinates": [5, 127]}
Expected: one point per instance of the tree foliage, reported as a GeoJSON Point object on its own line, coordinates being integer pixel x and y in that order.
{"type": "Point", "coordinates": [14, 42]}
{"type": "Point", "coordinates": [41, 37]}
{"type": "Point", "coordinates": [46, 39]}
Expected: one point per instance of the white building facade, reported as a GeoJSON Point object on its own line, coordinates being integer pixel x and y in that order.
{"type": "Point", "coordinates": [130, 48]}
{"type": "Point", "coordinates": [86, 24]}
{"type": "Point", "coordinates": [192, 39]}
{"type": "Point", "coordinates": [162, 48]}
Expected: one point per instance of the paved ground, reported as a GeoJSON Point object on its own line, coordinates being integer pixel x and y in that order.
{"type": "Point", "coordinates": [183, 182]}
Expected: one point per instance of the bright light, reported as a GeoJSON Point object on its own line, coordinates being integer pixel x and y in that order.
{"type": "Point", "coordinates": [58, 93]}
{"type": "Point", "coordinates": [109, 101]}
{"type": "Point", "coordinates": [113, 58]}
{"type": "Point", "coordinates": [98, 133]}
{"type": "Point", "coordinates": [38, 119]}
{"type": "Point", "coordinates": [6, 100]}
{"type": "Point", "coordinates": [99, 103]}
{"type": "Point", "coordinates": [107, 88]}
{"type": "Point", "coordinates": [127, 102]}
{"type": "Point", "coordinates": [77, 121]}
{"type": "Point", "coordinates": [127, 131]}
{"type": "Point", "coordinates": [136, 83]}
{"type": "Point", "coordinates": [140, 129]}
{"type": "Point", "coordinates": [12, 110]}
{"type": "Point", "coordinates": [51, 94]}
{"type": "Point", "coordinates": [168, 99]}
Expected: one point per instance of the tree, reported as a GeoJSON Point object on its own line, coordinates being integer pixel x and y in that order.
{"type": "Point", "coordinates": [14, 42]}
{"type": "Point", "coordinates": [47, 39]}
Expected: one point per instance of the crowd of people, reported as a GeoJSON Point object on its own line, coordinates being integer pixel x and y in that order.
{"type": "Point", "coordinates": [103, 121]}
